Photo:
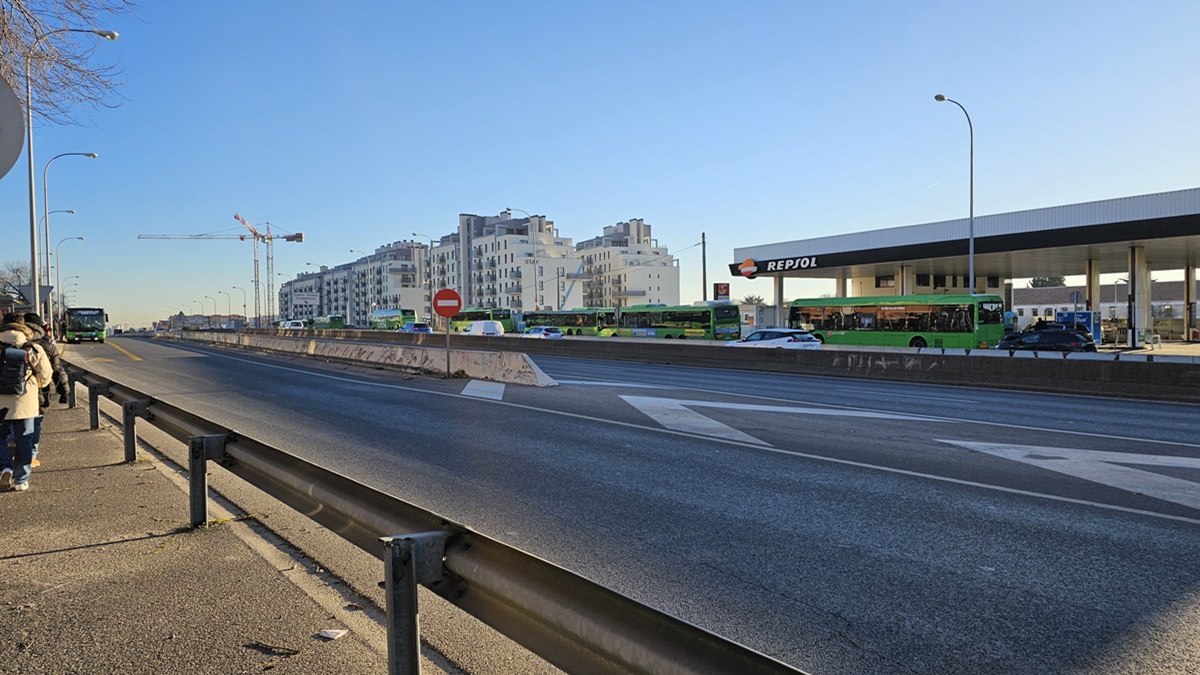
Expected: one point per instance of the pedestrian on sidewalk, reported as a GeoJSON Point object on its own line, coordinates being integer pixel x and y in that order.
{"type": "Point", "coordinates": [21, 411]}
{"type": "Point", "coordinates": [44, 337]}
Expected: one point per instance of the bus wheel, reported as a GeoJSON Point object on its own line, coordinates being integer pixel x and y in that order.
{"type": "Point", "coordinates": [917, 342]}
{"type": "Point", "coordinates": [670, 337]}
{"type": "Point", "coordinates": [820, 338]}
{"type": "Point", "coordinates": [682, 337]}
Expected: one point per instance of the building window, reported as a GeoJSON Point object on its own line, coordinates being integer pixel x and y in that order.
{"type": "Point", "coordinates": [1020, 311]}
{"type": "Point", "coordinates": [954, 281]}
{"type": "Point", "coordinates": [993, 282]}
{"type": "Point", "coordinates": [939, 281]}
{"type": "Point", "coordinates": [1049, 312]}
{"type": "Point", "coordinates": [922, 279]}
{"type": "Point", "coordinates": [885, 282]}
{"type": "Point", "coordinates": [1033, 312]}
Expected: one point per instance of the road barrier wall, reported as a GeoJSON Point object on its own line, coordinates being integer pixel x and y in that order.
{"type": "Point", "coordinates": [1151, 376]}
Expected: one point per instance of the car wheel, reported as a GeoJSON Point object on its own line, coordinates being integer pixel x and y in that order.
{"type": "Point", "coordinates": [918, 342]}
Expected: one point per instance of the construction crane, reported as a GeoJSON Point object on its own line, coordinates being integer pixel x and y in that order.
{"type": "Point", "coordinates": [255, 236]}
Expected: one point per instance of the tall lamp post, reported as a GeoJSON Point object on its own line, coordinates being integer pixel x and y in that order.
{"type": "Point", "coordinates": [46, 202]}
{"type": "Point", "coordinates": [429, 270]}
{"type": "Point", "coordinates": [58, 272]}
{"type": "Point", "coordinates": [243, 303]}
{"type": "Point", "coordinates": [533, 241]}
{"type": "Point", "coordinates": [209, 297]}
{"type": "Point", "coordinates": [971, 231]}
{"type": "Point", "coordinates": [35, 290]}
{"type": "Point", "coordinates": [370, 298]}
{"type": "Point", "coordinates": [228, 304]}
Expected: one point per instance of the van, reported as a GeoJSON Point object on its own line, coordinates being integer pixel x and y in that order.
{"type": "Point", "coordinates": [489, 328]}
{"type": "Point", "coordinates": [293, 324]}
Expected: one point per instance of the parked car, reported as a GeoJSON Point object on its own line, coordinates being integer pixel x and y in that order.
{"type": "Point", "coordinates": [489, 328]}
{"type": "Point", "coordinates": [544, 332]}
{"type": "Point", "coordinates": [414, 327]}
{"type": "Point", "coordinates": [778, 338]}
{"type": "Point", "coordinates": [1056, 340]}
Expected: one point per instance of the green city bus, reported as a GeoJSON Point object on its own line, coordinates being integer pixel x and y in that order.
{"type": "Point", "coordinates": [459, 321]}
{"type": "Point", "coordinates": [390, 319]}
{"type": "Point", "coordinates": [578, 321]}
{"type": "Point", "coordinates": [720, 321]}
{"type": "Point", "coordinates": [329, 322]}
{"type": "Point", "coordinates": [84, 323]}
{"type": "Point", "coordinates": [961, 321]}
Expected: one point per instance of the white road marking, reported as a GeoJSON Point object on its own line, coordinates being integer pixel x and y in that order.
{"type": "Point", "coordinates": [482, 389]}
{"type": "Point", "coordinates": [677, 415]}
{"type": "Point", "coordinates": [630, 385]}
{"type": "Point", "coordinates": [1104, 467]}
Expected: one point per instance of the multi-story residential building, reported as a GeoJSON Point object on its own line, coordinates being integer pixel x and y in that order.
{"type": "Point", "coordinates": [494, 261]}
{"type": "Point", "coordinates": [626, 266]}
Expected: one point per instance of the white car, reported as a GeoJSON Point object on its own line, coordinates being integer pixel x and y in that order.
{"type": "Point", "coordinates": [543, 332]}
{"type": "Point", "coordinates": [489, 328]}
{"type": "Point", "coordinates": [778, 338]}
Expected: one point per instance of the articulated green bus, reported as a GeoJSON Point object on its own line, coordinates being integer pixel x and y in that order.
{"type": "Point", "coordinates": [962, 321]}
{"type": "Point", "coordinates": [579, 321]}
{"type": "Point", "coordinates": [697, 322]}
{"type": "Point", "coordinates": [466, 316]}
{"type": "Point", "coordinates": [329, 322]}
{"type": "Point", "coordinates": [84, 323]}
{"type": "Point", "coordinates": [391, 319]}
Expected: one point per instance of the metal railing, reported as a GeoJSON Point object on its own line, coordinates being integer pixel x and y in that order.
{"type": "Point", "coordinates": [575, 624]}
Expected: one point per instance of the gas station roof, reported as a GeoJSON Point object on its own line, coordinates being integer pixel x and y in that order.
{"type": "Point", "coordinates": [1053, 241]}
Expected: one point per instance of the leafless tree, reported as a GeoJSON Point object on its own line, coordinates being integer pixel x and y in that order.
{"type": "Point", "coordinates": [64, 74]}
{"type": "Point", "coordinates": [13, 275]}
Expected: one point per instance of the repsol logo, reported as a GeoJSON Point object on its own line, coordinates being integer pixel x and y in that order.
{"type": "Point", "coordinates": [802, 263]}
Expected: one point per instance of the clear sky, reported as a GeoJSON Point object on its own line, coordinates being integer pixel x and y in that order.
{"type": "Point", "coordinates": [753, 122]}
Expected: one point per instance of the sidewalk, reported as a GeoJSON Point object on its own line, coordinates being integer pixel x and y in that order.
{"type": "Point", "coordinates": [99, 574]}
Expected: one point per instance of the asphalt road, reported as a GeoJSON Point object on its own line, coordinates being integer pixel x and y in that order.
{"type": "Point", "coordinates": [843, 526]}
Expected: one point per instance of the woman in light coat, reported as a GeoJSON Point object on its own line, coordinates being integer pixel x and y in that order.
{"type": "Point", "coordinates": [21, 411]}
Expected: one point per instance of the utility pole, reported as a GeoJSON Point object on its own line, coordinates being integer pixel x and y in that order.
{"type": "Point", "coordinates": [703, 267]}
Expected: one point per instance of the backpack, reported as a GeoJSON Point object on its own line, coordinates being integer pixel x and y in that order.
{"type": "Point", "coordinates": [14, 367]}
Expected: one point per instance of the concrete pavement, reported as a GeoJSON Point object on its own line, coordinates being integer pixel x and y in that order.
{"type": "Point", "coordinates": [99, 573]}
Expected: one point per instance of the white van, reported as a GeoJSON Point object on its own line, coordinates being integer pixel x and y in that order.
{"type": "Point", "coordinates": [292, 324]}
{"type": "Point", "coordinates": [489, 328]}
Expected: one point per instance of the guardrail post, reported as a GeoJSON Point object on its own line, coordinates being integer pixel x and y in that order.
{"type": "Point", "coordinates": [200, 450]}
{"type": "Point", "coordinates": [410, 559]}
{"type": "Point", "coordinates": [130, 411]}
{"type": "Point", "coordinates": [71, 388]}
{"type": "Point", "coordinates": [95, 391]}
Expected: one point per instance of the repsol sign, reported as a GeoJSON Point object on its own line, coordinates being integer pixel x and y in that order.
{"type": "Point", "coordinates": [750, 267]}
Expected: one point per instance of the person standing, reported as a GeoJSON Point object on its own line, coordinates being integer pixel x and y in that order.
{"type": "Point", "coordinates": [21, 411]}
{"type": "Point", "coordinates": [43, 337]}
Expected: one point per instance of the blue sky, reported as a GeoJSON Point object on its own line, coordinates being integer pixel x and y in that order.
{"type": "Point", "coordinates": [752, 122]}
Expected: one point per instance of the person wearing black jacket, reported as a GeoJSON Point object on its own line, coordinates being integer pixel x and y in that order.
{"type": "Point", "coordinates": [42, 336]}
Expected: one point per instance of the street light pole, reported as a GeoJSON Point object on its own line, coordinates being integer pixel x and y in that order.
{"type": "Point", "coordinates": [228, 304]}
{"type": "Point", "coordinates": [46, 202]}
{"type": "Point", "coordinates": [429, 271]}
{"type": "Point", "coordinates": [209, 297]}
{"type": "Point", "coordinates": [58, 272]}
{"type": "Point", "coordinates": [35, 290]}
{"type": "Point", "coordinates": [971, 231]}
{"type": "Point", "coordinates": [240, 323]}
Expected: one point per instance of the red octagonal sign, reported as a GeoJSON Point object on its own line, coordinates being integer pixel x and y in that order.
{"type": "Point", "coordinates": [447, 302]}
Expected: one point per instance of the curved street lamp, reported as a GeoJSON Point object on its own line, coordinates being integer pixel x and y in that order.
{"type": "Point", "coordinates": [971, 231]}
{"type": "Point", "coordinates": [228, 304]}
{"type": "Point", "coordinates": [243, 304]}
{"type": "Point", "coordinates": [58, 269]}
{"type": "Point", "coordinates": [46, 202]}
{"type": "Point", "coordinates": [35, 287]}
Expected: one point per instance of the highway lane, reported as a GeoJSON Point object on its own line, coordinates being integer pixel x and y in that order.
{"type": "Point", "coordinates": [836, 539]}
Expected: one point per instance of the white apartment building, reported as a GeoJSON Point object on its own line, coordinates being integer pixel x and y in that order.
{"type": "Point", "coordinates": [521, 264]}
{"type": "Point", "coordinates": [626, 266]}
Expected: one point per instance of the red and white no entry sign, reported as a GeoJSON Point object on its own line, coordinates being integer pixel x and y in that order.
{"type": "Point", "coordinates": [447, 302]}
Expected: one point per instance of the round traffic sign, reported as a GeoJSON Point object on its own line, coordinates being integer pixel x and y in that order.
{"type": "Point", "coordinates": [447, 302]}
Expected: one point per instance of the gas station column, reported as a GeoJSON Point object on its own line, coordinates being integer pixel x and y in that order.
{"type": "Point", "coordinates": [1189, 301]}
{"type": "Point", "coordinates": [1092, 286]}
{"type": "Point", "coordinates": [840, 291]}
{"type": "Point", "coordinates": [906, 280]}
{"type": "Point", "coordinates": [780, 310]}
{"type": "Point", "coordinates": [1138, 302]}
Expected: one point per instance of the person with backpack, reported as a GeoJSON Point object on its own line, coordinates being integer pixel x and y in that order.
{"type": "Point", "coordinates": [43, 337]}
{"type": "Point", "coordinates": [24, 370]}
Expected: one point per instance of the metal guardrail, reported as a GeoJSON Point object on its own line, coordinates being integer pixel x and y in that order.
{"type": "Point", "coordinates": [575, 624]}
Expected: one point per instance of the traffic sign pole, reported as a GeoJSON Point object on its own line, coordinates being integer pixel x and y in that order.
{"type": "Point", "coordinates": [447, 302]}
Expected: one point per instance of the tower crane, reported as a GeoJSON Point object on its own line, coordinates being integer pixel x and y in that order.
{"type": "Point", "coordinates": [255, 236]}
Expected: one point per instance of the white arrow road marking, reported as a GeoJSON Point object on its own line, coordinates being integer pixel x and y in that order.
{"type": "Point", "coordinates": [482, 389]}
{"type": "Point", "coordinates": [677, 415]}
{"type": "Point", "coordinates": [1104, 467]}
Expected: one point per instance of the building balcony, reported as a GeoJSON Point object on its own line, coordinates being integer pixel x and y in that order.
{"type": "Point", "coordinates": [628, 293]}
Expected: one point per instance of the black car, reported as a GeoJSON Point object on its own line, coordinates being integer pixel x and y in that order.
{"type": "Point", "coordinates": [1052, 340]}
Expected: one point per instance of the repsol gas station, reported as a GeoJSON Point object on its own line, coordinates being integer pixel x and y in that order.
{"type": "Point", "coordinates": [1131, 236]}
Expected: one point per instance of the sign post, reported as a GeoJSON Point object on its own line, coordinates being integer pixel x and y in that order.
{"type": "Point", "coordinates": [447, 302]}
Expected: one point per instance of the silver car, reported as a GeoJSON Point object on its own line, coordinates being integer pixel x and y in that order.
{"type": "Point", "coordinates": [778, 338]}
